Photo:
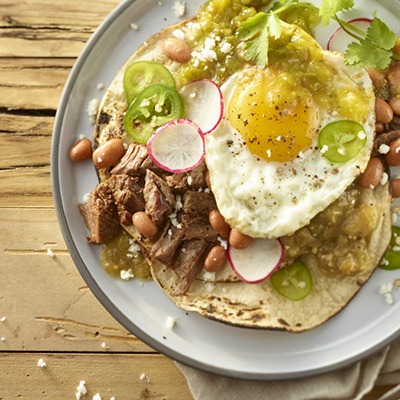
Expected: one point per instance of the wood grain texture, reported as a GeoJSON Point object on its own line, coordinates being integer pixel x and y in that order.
{"type": "Point", "coordinates": [49, 311]}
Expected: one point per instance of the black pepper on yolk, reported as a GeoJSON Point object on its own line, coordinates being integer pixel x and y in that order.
{"type": "Point", "coordinates": [276, 121]}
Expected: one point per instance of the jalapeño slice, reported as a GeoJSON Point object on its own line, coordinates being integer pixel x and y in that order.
{"type": "Point", "coordinates": [342, 140]}
{"type": "Point", "coordinates": [154, 106]}
{"type": "Point", "coordinates": [142, 74]}
{"type": "Point", "coordinates": [391, 260]}
{"type": "Point", "coordinates": [293, 282]}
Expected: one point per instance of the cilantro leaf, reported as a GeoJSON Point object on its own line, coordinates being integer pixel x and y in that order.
{"type": "Point", "coordinates": [329, 8]}
{"type": "Point", "coordinates": [252, 26]}
{"type": "Point", "coordinates": [274, 25]}
{"type": "Point", "coordinates": [257, 49]}
{"type": "Point", "coordinates": [366, 54]}
{"type": "Point", "coordinates": [380, 34]}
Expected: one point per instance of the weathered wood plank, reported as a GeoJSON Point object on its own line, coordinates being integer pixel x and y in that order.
{"type": "Point", "coordinates": [26, 187]}
{"type": "Point", "coordinates": [24, 151]}
{"type": "Point", "coordinates": [27, 32]}
{"type": "Point", "coordinates": [68, 317]}
{"type": "Point", "coordinates": [123, 376]}
{"type": "Point", "coordinates": [26, 124]}
{"type": "Point", "coordinates": [32, 84]}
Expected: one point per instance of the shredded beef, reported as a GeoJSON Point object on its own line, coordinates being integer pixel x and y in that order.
{"type": "Point", "coordinates": [132, 160]}
{"type": "Point", "coordinates": [128, 196]}
{"type": "Point", "coordinates": [165, 248]}
{"type": "Point", "coordinates": [101, 215]}
{"type": "Point", "coordinates": [158, 196]}
{"type": "Point", "coordinates": [198, 203]}
{"type": "Point", "coordinates": [198, 227]}
{"type": "Point", "coordinates": [190, 262]}
{"type": "Point", "coordinates": [194, 179]}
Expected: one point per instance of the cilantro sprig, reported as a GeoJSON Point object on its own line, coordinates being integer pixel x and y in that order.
{"type": "Point", "coordinates": [257, 30]}
{"type": "Point", "coordinates": [373, 48]}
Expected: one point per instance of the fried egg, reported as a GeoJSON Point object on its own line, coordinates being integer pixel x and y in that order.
{"type": "Point", "coordinates": [268, 173]}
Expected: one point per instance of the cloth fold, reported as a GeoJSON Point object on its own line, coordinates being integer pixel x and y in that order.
{"type": "Point", "coordinates": [350, 383]}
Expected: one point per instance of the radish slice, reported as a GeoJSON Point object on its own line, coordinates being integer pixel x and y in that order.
{"type": "Point", "coordinates": [339, 40]}
{"type": "Point", "coordinates": [177, 146]}
{"type": "Point", "coordinates": [258, 261]}
{"type": "Point", "coordinates": [203, 104]}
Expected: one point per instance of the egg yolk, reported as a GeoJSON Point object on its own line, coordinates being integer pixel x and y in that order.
{"type": "Point", "coordinates": [276, 121]}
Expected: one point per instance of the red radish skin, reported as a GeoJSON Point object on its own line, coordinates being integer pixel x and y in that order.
{"type": "Point", "coordinates": [339, 39]}
{"type": "Point", "coordinates": [203, 104]}
{"type": "Point", "coordinates": [177, 146]}
{"type": "Point", "coordinates": [257, 262]}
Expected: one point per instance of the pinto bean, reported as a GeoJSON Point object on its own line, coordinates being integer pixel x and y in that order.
{"type": "Point", "coordinates": [176, 49]}
{"type": "Point", "coordinates": [377, 77]}
{"type": "Point", "coordinates": [379, 127]}
{"type": "Point", "coordinates": [372, 175]}
{"type": "Point", "coordinates": [143, 223]}
{"type": "Point", "coordinates": [109, 153]}
{"type": "Point", "coordinates": [394, 103]}
{"type": "Point", "coordinates": [383, 111]}
{"type": "Point", "coordinates": [393, 156]}
{"type": "Point", "coordinates": [81, 150]}
{"type": "Point", "coordinates": [395, 187]}
{"type": "Point", "coordinates": [239, 240]}
{"type": "Point", "coordinates": [219, 224]}
{"type": "Point", "coordinates": [393, 75]}
{"type": "Point", "coordinates": [215, 259]}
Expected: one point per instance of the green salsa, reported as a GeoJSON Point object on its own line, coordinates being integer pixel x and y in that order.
{"type": "Point", "coordinates": [122, 254]}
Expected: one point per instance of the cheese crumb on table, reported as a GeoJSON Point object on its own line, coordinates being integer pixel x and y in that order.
{"type": "Point", "coordinates": [170, 322]}
{"type": "Point", "coordinates": [41, 363]}
{"type": "Point", "coordinates": [50, 253]}
{"type": "Point", "coordinates": [2, 319]}
{"type": "Point", "coordinates": [97, 396]}
{"type": "Point", "coordinates": [81, 390]}
{"type": "Point", "coordinates": [144, 378]}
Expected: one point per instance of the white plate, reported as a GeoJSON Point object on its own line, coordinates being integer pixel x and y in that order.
{"type": "Point", "coordinates": [362, 328]}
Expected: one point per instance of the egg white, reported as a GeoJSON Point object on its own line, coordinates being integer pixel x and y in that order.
{"type": "Point", "coordinates": [268, 199]}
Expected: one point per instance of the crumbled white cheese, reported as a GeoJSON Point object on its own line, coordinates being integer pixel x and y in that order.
{"type": "Point", "coordinates": [126, 275]}
{"type": "Point", "coordinates": [92, 110]}
{"type": "Point", "coordinates": [226, 47]}
{"type": "Point", "coordinates": [50, 253]}
{"type": "Point", "coordinates": [41, 363]}
{"type": "Point", "coordinates": [144, 378]}
{"type": "Point", "coordinates": [179, 8]}
{"type": "Point", "coordinates": [386, 291]}
{"type": "Point", "coordinates": [384, 149]}
{"type": "Point", "coordinates": [134, 26]}
{"type": "Point", "coordinates": [2, 319]}
{"type": "Point", "coordinates": [145, 103]}
{"type": "Point", "coordinates": [81, 136]}
{"type": "Point", "coordinates": [223, 242]}
{"type": "Point", "coordinates": [301, 284]}
{"type": "Point", "coordinates": [209, 276]}
{"type": "Point", "coordinates": [384, 179]}
{"type": "Point", "coordinates": [189, 180]}
{"type": "Point", "coordinates": [86, 198]}
{"type": "Point", "coordinates": [100, 86]}
{"type": "Point", "coordinates": [179, 34]}
{"type": "Point", "coordinates": [269, 153]}
{"type": "Point", "coordinates": [3, 339]}
{"type": "Point", "coordinates": [81, 390]}
{"type": "Point", "coordinates": [105, 346]}
{"type": "Point", "coordinates": [341, 151]}
{"type": "Point", "coordinates": [96, 397]}
{"type": "Point", "coordinates": [170, 322]}
{"type": "Point", "coordinates": [134, 249]}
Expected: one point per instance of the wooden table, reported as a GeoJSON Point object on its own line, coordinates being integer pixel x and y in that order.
{"type": "Point", "coordinates": [46, 310]}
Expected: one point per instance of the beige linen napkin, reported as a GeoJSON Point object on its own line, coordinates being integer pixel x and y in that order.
{"type": "Point", "coordinates": [350, 383]}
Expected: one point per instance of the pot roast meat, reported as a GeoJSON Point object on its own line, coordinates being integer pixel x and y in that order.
{"type": "Point", "coordinates": [189, 263]}
{"type": "Point", "coordinates": [198, 203]}
{"type": "Point", "coordinates": [158, 197]}
{"type": "Point", "coordinates": [198, 227]}
{"type": "Point", "coordinates": [128, 196]}
{"type": "Point", "coordinates": [164, 250]}
{"type": "Point", "coordinates": [193, 179]}
{"type": "Point", "coordinates": [131, 162]}
{"type": "Point", "coordinates": [101, 215]}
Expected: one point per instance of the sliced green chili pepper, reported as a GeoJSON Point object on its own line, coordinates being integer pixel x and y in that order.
{"type": "Point", "coordinates": [293, 282]}
{"type": "Point", "coordinates": [142, 74]}
{"type": "Point", "coordinates": [391, 260]}
{"type": "Point", "coordinates": [341, 140]}
{"type": "Point", "coordinates": [154, 106]}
